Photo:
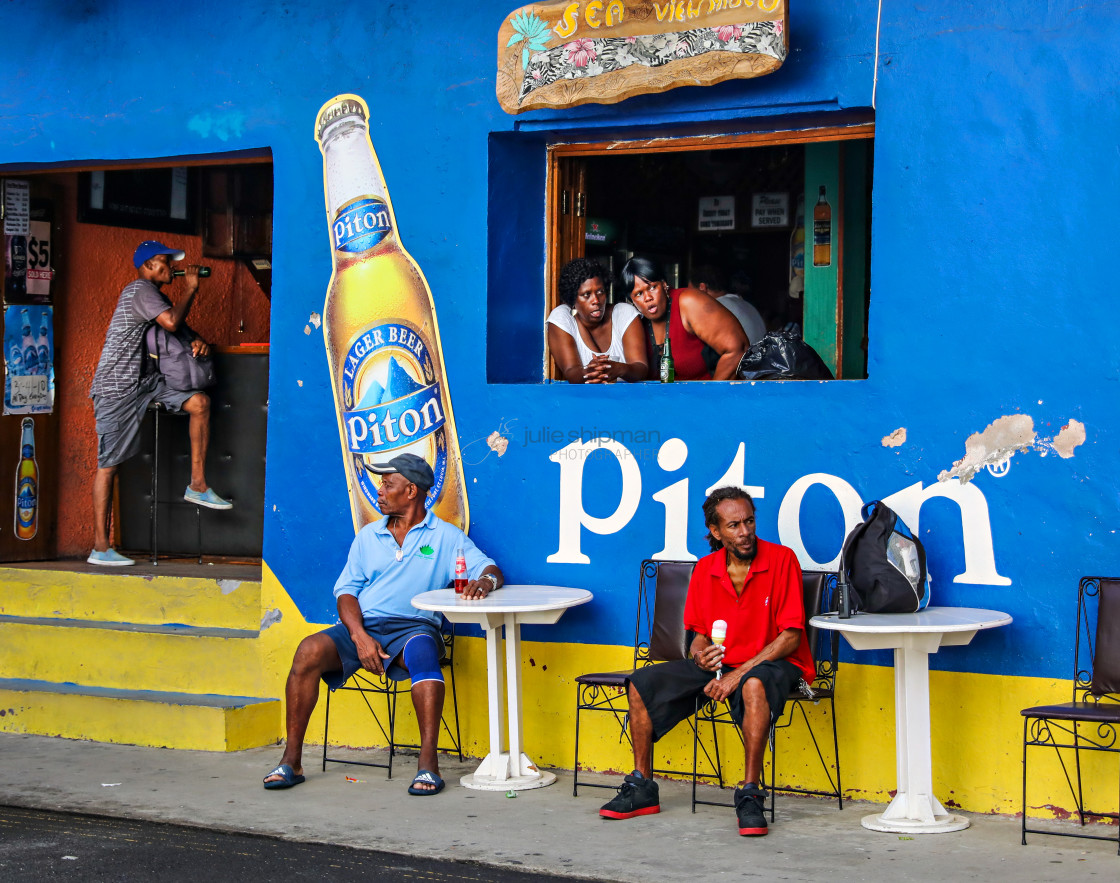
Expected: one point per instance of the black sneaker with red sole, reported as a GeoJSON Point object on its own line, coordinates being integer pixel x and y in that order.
{"type": "Point", "coordinates": [637, 796]}
{"type": "Point", "coordinates": [749, 803]}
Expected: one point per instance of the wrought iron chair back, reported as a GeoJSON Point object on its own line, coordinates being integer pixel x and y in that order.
{"type": "Point", "coordinates": [659, 636]}
{"type": "Point", "coordinates": [367, 684]}
{"type": "Point", "coordinates": [1092, 719]}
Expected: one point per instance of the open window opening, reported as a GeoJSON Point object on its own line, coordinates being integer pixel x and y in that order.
{"type": "Point", "coordinates": [780, 221]}
{"type": "Point", "coordinates": [784, 216]}
{"type": "Point", "coordinates": [87, 220]}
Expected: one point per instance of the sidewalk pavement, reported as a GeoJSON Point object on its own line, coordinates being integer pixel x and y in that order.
{"type": "Point", "coordinates": [545, 829]}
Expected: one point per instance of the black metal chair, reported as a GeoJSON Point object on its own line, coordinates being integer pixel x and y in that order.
{"type": "Point", "coordinates": [1095, 705]}
{"type": "Point", "coordinates": [817, 588]}
{"type": "Point", "coordinates": [659, 636]}
{"type": "Point", "coordinates": [368, 685]}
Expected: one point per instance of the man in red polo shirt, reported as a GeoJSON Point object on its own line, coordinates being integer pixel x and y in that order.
{"type": "Point", "coordinates": [755, 587]}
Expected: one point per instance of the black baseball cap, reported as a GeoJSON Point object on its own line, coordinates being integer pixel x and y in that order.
{"type": "Point", "coordinates": [415, 469]}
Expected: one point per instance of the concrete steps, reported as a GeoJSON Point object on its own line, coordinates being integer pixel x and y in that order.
{"type": "Point", "coordinates": [138, 657]}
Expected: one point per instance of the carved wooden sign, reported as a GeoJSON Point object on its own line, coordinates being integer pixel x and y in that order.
{"type": "Point", "coordinates": [573, 52]}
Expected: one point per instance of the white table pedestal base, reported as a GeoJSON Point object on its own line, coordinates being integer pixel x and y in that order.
{"type": "Point", "coordinates": [915, 814]}
{"type": "Point", "coordinates": [491, 776]}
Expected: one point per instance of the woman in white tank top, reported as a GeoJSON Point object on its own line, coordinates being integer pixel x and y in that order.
{"type": "Point", "coordinates": [589, 341]}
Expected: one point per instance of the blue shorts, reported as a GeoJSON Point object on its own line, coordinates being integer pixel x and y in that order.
{"type": "Point", "coordinates": [392, 634]}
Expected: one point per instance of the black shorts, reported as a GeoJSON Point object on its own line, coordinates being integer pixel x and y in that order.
{"type": "Point", "coordinates": [670, 690]}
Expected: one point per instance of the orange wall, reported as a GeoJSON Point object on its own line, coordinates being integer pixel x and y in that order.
{"type": "Point", "coordinates": [92, 264]}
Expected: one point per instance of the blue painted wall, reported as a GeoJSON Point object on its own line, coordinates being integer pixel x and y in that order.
{"type": "Point", "coordinates": [992, 280]}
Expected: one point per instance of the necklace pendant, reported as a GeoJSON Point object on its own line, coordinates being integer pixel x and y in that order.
{"type": "Point", "coordinates": [400, 554]}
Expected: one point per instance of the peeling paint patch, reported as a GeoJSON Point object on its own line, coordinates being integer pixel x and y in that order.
{"type": "Point", "coordinates": [994, 447]}
{"type": "Point", "coordinates": [299, 383]}
{"type": "Point", "coordinates": [896, 438]}
{"type": "Point", "coordinates": [998, 442]}
{"type": "Point", "coordinates": [497, 442]}
{"type": "Point", "coordinates": [306, 329]}
{"type": "Point", "coordinates": [315, 320]}
{"type": "Point", "coordinates": [271, 618]}
{"type": "Point", "coordinates": [222, 126]}
{"type": "Point", "coordinates": [1070, 436]}
{"type": "Point", "coordinates": [229, 585]}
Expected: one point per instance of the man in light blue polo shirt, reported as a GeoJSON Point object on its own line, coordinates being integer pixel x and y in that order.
{"type": "Point", "coordinates": [391, 561]}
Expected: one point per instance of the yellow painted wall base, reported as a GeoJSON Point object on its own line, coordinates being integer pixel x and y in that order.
{"type": "Point", "coordinates": [140, 722]}
{"type": "Point", "coordinates": [976, 735]}
{"type": "Point", "coordinates": [123, 597]}
{"type": "Point", "coordinates": [72, 642]}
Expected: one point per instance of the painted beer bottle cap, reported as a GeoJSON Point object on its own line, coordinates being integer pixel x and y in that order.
{"type": "Point", "coordinates": [345, 106]}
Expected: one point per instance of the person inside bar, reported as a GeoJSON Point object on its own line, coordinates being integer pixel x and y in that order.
{"type": "Point", "coordinates": [123, 387]}
{"type": "Point", "coordinates": [706, 340]}
{"type": "Point", "coordinates": [590, 341]}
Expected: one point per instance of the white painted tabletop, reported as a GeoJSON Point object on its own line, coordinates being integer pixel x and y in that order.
{"type": "Point", "coordinates": [507, 599]}
{"type": "Point", "coordinates": [930, 620]}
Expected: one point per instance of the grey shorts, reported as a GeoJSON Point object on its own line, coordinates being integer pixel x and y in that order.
{"type": "Point", "coordinates": [118, 420]}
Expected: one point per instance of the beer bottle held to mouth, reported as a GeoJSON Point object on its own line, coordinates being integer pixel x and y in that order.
{"type": "Point", "coordinates": [379, 323]}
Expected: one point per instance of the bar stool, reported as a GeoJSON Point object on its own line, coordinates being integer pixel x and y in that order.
{"type": "Point", "coordinates": [156, 408]}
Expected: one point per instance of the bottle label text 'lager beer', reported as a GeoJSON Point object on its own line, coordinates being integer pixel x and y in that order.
{"type": "Point", "coordinates": [382, 340]}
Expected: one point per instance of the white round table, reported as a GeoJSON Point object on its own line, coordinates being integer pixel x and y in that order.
{"type": "Point", "coordinates": [913, 637]}
{"type": "Point", "coordinates": [509, 606]}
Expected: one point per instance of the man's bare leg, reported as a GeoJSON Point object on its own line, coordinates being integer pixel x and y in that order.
{"type": "Point", "coordinates": [641, 733]}
{"type": "Point", "coordinates": [427, 699]}
{"type": "Point", "coordinates": [315, 655]}
{"type": "Point", "coordinates": [102, 506]}
{"type": "Point", "coordinates": [198, 407]}
{"type": "Point", "coordinates": [756, 729]}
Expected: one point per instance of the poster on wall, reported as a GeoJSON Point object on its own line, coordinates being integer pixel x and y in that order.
{"type": "Point", "coordinates": [28, 360]}
{"type": "Point", "coordinates": [716, 213]}
{"type": "Point", "coordinates": [27, 257]}
{"type": "Point", "coordinates": [17, 207]}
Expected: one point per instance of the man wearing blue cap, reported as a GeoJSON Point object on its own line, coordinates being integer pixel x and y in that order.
{"type": "Point", "coordinates": [122, 390]}
{"type": "Point", "coordinates": [391, 561]}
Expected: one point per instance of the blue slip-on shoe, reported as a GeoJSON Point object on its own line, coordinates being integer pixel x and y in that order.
{"type": "Point", "coordinates": [425, 777]}
{"type": "Point", "coordinates": [289, 778]}
{"type": "Point", "coordinates": [206, 498]}
{"type": "Point", "coordinates": [108, 558]}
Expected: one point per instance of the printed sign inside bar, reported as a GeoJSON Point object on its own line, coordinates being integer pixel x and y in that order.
{"type": "Point", "coordinates": [567, 53]}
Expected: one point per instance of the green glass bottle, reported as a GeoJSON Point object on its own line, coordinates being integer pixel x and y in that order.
{"type": "Point", "coordinates": [668, 369]}
{"type": "Point", "coordinates": [203, 272]}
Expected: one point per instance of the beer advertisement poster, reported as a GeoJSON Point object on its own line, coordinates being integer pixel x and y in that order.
{"type": "Point", "coordinates": [28, 360]}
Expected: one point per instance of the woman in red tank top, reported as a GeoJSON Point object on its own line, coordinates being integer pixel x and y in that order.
{"type": "Point", "coordinates": [692, 319]}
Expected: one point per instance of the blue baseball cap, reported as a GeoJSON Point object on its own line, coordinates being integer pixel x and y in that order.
{"type": "Point", "coordinates": [148, 250]}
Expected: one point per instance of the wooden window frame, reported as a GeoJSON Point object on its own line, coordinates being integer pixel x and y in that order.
{"type": "Point", "coordinates": [574, 221]}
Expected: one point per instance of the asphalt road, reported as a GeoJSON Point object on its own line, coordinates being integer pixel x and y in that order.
{"type": "Point", "coordinates": [58, 846]}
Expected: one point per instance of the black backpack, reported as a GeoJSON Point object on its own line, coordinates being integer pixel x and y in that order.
{"type": "Point", "coordinates": [884, 564]}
